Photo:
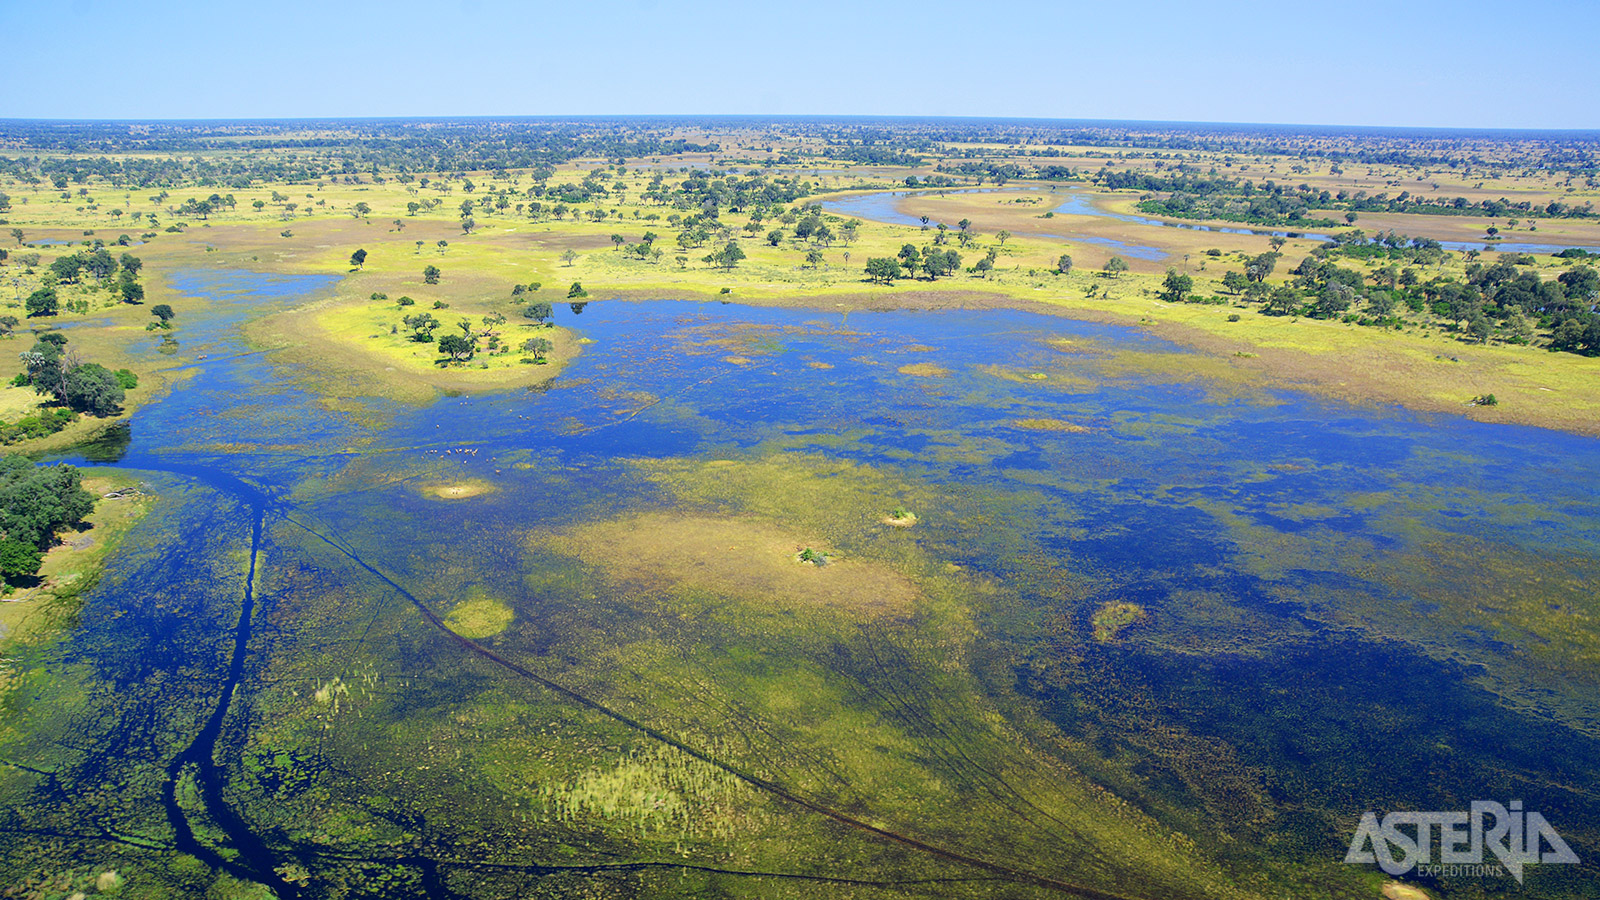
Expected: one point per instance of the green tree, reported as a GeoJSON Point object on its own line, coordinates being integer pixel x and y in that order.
{"type": "Point", "coordinates": [1282, 301]}
{"type": "Point", "coordinates": [131, 291]}
{"type": "Point", "coordinates": [1063, 264]}
{"type": "Point", "coordinates": [431, 274]}
{"type": "Point", "coordinates": [422, 326]}
{"type": "Point", "coordinates": [537, 348]}
{"type": "Point", "coordinates": [163, 312]}
{"type": "Point", "coordinates": [576, 291]}
{"type": "Point", "coordinates": [541, 311]}
{"type": "Point", "coordinates": [35, 503]}
{"type": "Point", "coordinates": [775, 236]}
{"type": "Point", "coordinates": [42, 302]}
{"type": "Point", "coordinates": [92, 388]}
{"type": "Point", "coordinates": [1115, 266]}
{"type": "Point", "coordinates": [1176, 287]}
{"type": "Point", "coordinates": [883, 269]}
{"type": "Point", "coordinates": [568, 255]}
{"type": "Point", "coordinates": [362, 209]}
{"type": "Point", "coordinates": [358, 259]}
{"type": "Point", "coordinates": [1235, 283]}
{"type": "Point", "coordinates": [458, 347]}
{"type": "Point", "coordinates": [726, 257]}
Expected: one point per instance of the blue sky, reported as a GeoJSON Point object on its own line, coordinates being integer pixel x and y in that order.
{"type": "Point", "coordinates": [1526, 64]}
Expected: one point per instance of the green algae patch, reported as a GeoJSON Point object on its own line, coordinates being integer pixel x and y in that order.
{"type": "Point", "coordinates": [1110, 620]}
{"type": "Point", "coordinates": [735, 558]}
{"type": "Point", "coordinates": [479, 616]}
{"type": "Point", "coordinates": [925, 370]}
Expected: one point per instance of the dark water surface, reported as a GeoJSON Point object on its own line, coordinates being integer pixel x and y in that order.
{"type": "Point", "coordinates": [1344, 609]}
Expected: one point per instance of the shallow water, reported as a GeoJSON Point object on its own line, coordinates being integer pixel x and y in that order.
{"type": "Point", "coordinates": [881, 207]}
{"type": "Point", "coordinates": [1347, 609]}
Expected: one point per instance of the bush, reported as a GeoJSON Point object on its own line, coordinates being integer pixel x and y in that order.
{"type": "Point", "coordinates": [126, 379]}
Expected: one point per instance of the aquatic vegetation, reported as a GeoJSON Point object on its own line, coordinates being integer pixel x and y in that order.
{"type": "Point", "coordinates": [1111, 619]}
{"type": "Point", "coordinates": [607, 672]}
{"type": "Point", "coordinates": [479, 616]}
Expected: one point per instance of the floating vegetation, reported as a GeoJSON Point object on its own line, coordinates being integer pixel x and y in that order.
{"type": "Point", "coordinates": [1111, 618]}
{"type": "Point", "coordinates": [1061, 425]}
{"type": "Point", "coordinates": [925, 370]}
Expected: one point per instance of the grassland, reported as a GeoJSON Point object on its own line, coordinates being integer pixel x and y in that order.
{"type": "Point", "coordinates": [348, 344]}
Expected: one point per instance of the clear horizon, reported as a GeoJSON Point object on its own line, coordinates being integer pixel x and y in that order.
{"type": "Point", "coordinates": [1430, 64]}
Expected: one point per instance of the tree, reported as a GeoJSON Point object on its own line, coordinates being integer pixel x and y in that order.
{"type": "Point", "coordinates": [726, 257]}
{"type": "Point", "coordinates": [358, 258]}
{"type": "Point", "coordinates": [467, 224]}
{"type": "Point", "coordinates": [883, 269]}
{"type": "Point", "coordinates": [814, 258]}
{"type": "Point", "coordinates": [35, 503]}
{"type": "Point", "coordinates": [541, 311]}
{"type": "Point", "coordinates": [1261, 266]}
{"type": "Point", "coordinates": [775, 236]}
{"type": "Point", "coordinates": [42, 302]}
{"type": "Point", "coordinates": [568, 255]}
{"type": "Point", "coordinates": [16, 234]}
{"type": "Point", "coordinates": [911, 258]}
{"type": "Point", "coordinates": [1115, 266]}
{"type": "Point", "coordinates": [537, 348]}
{"type": "Point", "coordinates": [163, 312]}
{"type": "Point", "coordinates": [422, 326]}
{"type": "Point", "coordinates": [1235, 282]}
{"type": "Point", "coordinates": [92, 388]}
{"type": "Point", "coordinates": [1064, 264]}
{"type": "Point", "coordinates": [362, 209]}
{"type": "Point", "coordinates": [617, 241]}
{"type": "Point", "coordinates": [131, 291]}
{"type": "Point", "coordinates": [1177, 287]}
{"type": "Point", "coordinates": [576, 291]}
{"type": "Point", "coordinates": [431, 274]}
{"type": "Point", "coordinates": [1002, 237]}
{"type": "Point", "coordinates": [458, 347]}
{"type": "Point", "coordinates": [259, 204]}
{"type": "Point", "coordinates": [1282, 301]}
{"type": "Point", "coordinates": [1351, 217]}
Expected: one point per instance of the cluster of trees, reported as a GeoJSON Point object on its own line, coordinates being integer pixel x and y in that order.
{"type": "Point", "coordinates": [119, 274]}
{"type": "Point", "coordinates": [929, 260]}
{"type": "Point", "coordinates": [1406, 202]}
{"type": "Point", "coordinates": [35, 503]}
{"type": "Point", "coordinates": [237, 154]}
{"type": "Point", "coordinates": [1501, 300]}
{"type": "Point", "coordinates": [84, 387]}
